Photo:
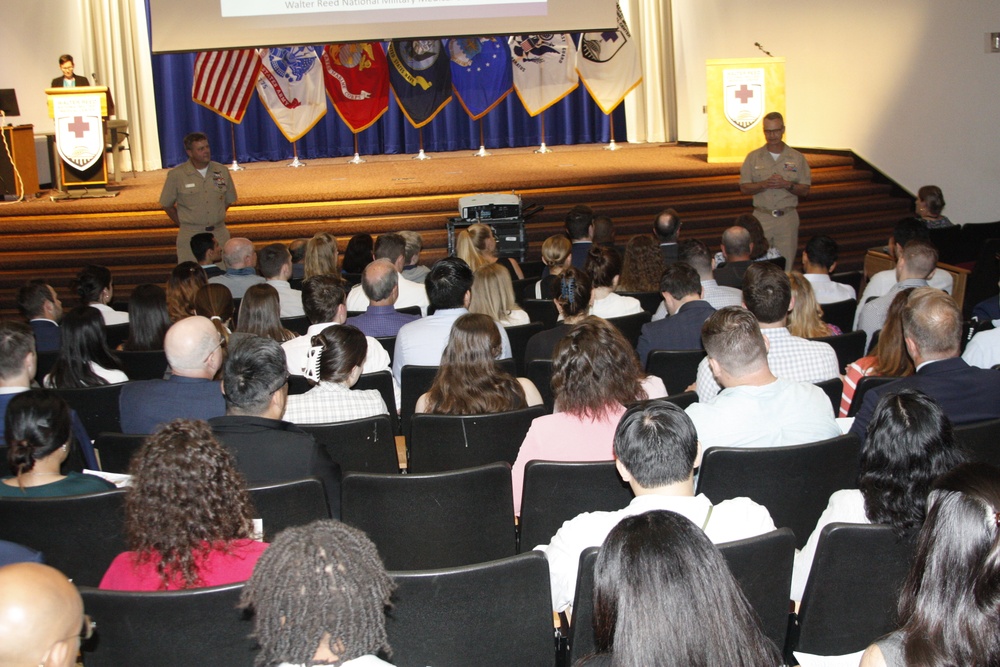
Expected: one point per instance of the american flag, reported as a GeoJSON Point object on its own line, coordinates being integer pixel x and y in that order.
{"type": "Point", "coordinates": [225, 80]}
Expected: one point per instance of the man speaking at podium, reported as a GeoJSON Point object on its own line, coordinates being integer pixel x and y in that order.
{"type": "Point", "coordinates": [68, 79]}
{"type": "Point", "coordinates": [776, 175]}
{"type": "Point", "coordinates": [196, 195]}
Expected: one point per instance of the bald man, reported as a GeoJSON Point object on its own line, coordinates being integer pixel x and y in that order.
{"type": "Point", "coordinates": [194, 352]}
{"type": "Point", "coordinates": [41, 616]}
{"type": "Point", "coordinates": [240, 259]}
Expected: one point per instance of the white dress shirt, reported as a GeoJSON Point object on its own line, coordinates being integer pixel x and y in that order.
{"type": "Point", "coordinates": [410, 294]}
{"type": "Point", "coordinates": [290, 299]}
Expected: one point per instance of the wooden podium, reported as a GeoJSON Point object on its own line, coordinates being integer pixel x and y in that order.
{"type": "Point", "coordinates": [740, 92]}
{"type": "Point", "coordinates": [80, 116]}
{"type": "Point", "coordinates": [21, 140]}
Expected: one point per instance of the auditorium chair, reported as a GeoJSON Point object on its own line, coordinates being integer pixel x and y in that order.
{"type": "Point", "coordinates": [865, 385]}
{"type": "Point", "coordinates": [359, 445]}
{"type": "Point", "coordinates": [144, 365]}
{"type": "Point", "coordinates": [298, 384]}
{"type": "Point", "coordinates": [285, 504]}
{"type": "Point", "coordinates": [297, 325]}
{"type": "Point", "coordinates": [492, 614]}
{"type": "Point", "coordinates": [417, 380]}
{"type": "Point", "coordinates": [452, 442]}
{"type": "Point", "coordinates": [381, 381]}
{"type": "Point", "coordinates": [683, 399]}
{"type": "Point", "coordinates": [44, 363]}
{"type": "Point", "coordinates": [519, 337]}
{"type": "Point", "coordinates": [521, 288]}
{"type": "Point", "coordinates": [981, 439]}
{"type": "Point", "coordinates": [556, 491]}
{"type": "Point", "coordinates": [539, 371]}
{"type": "Point", "coordinates": [793, 482]}
{"type": "Point", "coordinates": [442, 519]}
{"type": "Point", "coordinates": [199, 626]}
{"type": "Point", "coordinates": [677, 368]}
{"type": "Point", "coordinates": [541, 310]}
{"type": "Point", "coordinates": [116, 334]}
{"type": "Point", "coordinates": [630, 326]}
{"type": "Point", "coordinates": [388, 344]}
{"type": "Point", "coordinates": [79, 535]}
{"type": "Point", "coordinates": [115, 450]}
{"type": "Point", "coordinates": [853, 588]}
{"type": "Point", "coordinates": [849, 347]}
{"type": "Point", "coordinates": [840, 314]}
{"type": "Point", "coordinates": [649, 301]}
{"type": "Point", "coordinates": [97, 407]}
{"type": "Point", "coordinates": [834, 389]}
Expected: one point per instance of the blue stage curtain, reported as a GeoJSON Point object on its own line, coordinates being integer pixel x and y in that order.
{"type": "Point", "coordinates": [574, 120]}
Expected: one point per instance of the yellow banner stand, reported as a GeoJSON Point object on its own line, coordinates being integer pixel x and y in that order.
{"type": "Point", "coordinates": [740, 92]}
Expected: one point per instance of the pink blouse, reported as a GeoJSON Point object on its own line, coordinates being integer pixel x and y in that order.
{"type": "Point", "coordinates": [228, 563]}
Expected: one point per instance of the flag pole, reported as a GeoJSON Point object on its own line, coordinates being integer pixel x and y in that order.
{"type": "Point", "coordinates": [295, 160]}
{"type": "Point", "coordinates": [543, 148]}
{"type": "Point", "coordinates": [357, 157]}
{"type": "Point", "coordinates": [611, 126]}
{"type": "Point", "coordinates": [421, 155]}
{"type": "Point", "coordinates": [235, 166]}
{"type": "Point", "coordinates": [482, 152]}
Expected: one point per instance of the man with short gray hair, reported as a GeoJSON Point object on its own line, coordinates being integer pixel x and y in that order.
{"type": "Point", "coordinates": [393, 248]}
{"type": "Point", "coordinates": [240, 258]}
{"type": "Point", "coordinates": [380, 283]}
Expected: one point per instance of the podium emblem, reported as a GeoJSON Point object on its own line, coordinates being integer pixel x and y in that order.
{"type": "Point", "coordinates": [743, 96]}
{"type": "Point", "coordinates": [79, 130]}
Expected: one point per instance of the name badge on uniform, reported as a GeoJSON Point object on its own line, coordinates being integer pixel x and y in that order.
{"type": "Point", "coordinates": [189, 185]}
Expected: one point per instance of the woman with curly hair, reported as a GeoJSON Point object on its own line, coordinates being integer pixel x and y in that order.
{"type": "Point", "coordinates": [469, 382]}
{"type": "Point", "coordinates": [319, 596]}
{"type": "Point", "coordinates": [805, 320]}
{"type": "Point", "coordinates": [642, 265]}
{"type": "Point", "coordinates": [478, 247]}
{"type": "Point", "coordinates": [321, 256]}
{"type": "Point", "coordinates": [184, 282]}
{"type": "Point", "coordinates": [595, 374]}
{"type": "Point", "coordinates": [889, 359]}
{"type": "Point", "coordinates": [260, 314]}
{"type": "Point", "coordinates": [604, 266]}
{"type": "Point", "coordinates": [84, 359]}
{"type": "Point", "coordinates": [149, 319]}
{"type": "Point", "coordinates": [493, 295]}
{"type": "Point", "coordinates": [96, 289]}
{"type": "Point", "coordinates": [909, 443]}
{"type": "Point", "coordinates": [188, 515]}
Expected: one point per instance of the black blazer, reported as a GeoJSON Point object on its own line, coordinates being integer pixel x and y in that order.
{"type": "Point", "coordinates": [80, 81]}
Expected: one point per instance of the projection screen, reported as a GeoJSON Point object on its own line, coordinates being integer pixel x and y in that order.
{"type": "Point", "coordinates": [197, 25]}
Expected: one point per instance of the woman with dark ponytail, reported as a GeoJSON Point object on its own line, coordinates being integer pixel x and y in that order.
{"type": "Point", "coordinates": [38, 436]}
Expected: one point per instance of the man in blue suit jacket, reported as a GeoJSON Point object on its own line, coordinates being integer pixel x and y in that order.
{"type": "Point", "coordinates": [681, 288]}
{"type": "Point", "coordinates": [580, 228]}
{"type": "Point", "coordinates": [932, 326]}
{"type": "Point", "coordinates": [40, 305]}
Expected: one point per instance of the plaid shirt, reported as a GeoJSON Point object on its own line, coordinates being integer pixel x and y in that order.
{"type": "Point", "coordinates": [330, 402]}
{"type": "Point", "coordinates": [790, 357]}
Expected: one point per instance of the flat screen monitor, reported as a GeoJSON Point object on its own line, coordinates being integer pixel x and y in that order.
{"type": "Point", "coordinates": [8, 102]}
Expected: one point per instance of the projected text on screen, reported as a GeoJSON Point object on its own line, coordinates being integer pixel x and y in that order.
{"type": "Point", "coordinates": [437, 9]}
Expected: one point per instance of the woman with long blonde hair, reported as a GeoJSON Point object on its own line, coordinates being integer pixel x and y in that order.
{"type": "Point", "coordinates": [805, 320]}
{"type": "Point", "coordinates": [321, 256]}
{"type": "Point", "coordinates": [493, 295]}
{"type": "Point", "coordinates": [478, 247]}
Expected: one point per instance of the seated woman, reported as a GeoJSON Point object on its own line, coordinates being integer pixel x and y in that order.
{"type": "Point", "coordinates": [149, 319]}
{"type": "Point", "coordinates": [319, 596]}
{"type": "Point", "coordinates": [477, 246]}
{"type": "Point", "coordinates": [188, 515]}
{"type": "Point", "coordinates": [805, 320]}
{"type": "Point", "coordinates": [572, 300]}
{"type": "Point", "coordinates": [909, 444]}
{"type": "Point", "coordinates": [215, 302]}
{"type": "Point", "coordinates": [84, 359]}
{"type": "Point", "coordinates": [260, 314]}
{"type": "Point", "coordinates": [557, 256]}
{"type": "Point", "coordinates": [889, 359]}
{"type": "Point", "coordinates": [321, 256]}
{"type": "Point", "coordinates": [929, 204]}
{"type": "Point", "coordinates": [663, 595]}
{"type": "Point", "coordinates": [469, 382]}
{"type": "Point", "coordinates": [595, 373]}
{"type": "Point", "coordinates": [184, 282]}
{"type": "Point", "coordinates": [335, 362]}
{"type": "Point", "coordinates": [38, 434]}
{"type": "Point", "coordinates": [604, 266]}
{"type": "Point", "coordinates": [493, 295]}
{"type": "Point", "coordinates": [949, 610]}
{"type": "Point", "coordinates": [96, 289]}
{"type": "Point", "coordinates": [642, 265]}
{"type": "Point", "coordinates": [358, 253]}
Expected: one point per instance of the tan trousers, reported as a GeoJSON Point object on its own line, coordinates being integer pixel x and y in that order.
{"type": "Point", "coordinates": [782, 233]}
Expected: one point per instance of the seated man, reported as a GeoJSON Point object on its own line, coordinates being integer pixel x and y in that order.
{"type": "Point", "coordinates": [914, 264]}
{"type": "Point", "coordinates": [755, 409]}
{"type": "Point", "coordinates": [41, 617]}
{"type": "Point", "coordinates": [393, 248]}
{"type": "Point", "coordinates": [736, 249]}
{"type": "Point", "coordinates": [580, 229]}
{"type": "Point", "coordinates": [656, 451]}
{"type": "Point", "coordinates": [206, 251]}
{"type": "Point", "coordinates": [18, 366]}
{"type": "Point", "coordinates": [297, 249]}
{"type": "Point", "coordinates": [380, 283]}
{"type": "Point", "coordinates": [194, 353]}
{"type": "Point", "coordinates": [275, 263]}
{"type": "Point", "coordinates": [421, 343]}
{"type": "Point", "coordinates": [40, 305]}
{"type": "Point", "coordinates": [767, 294]}
{"type": "Point", "coordinates": [819, 260]}
{"type": "Point", "coordinates": [932, 329]}
{"type": "Point", "coordinates": [267, 449]}
{"type": "Point", "coordinates": [666, 230]}
{"type": "Point", "coordinates": [240, 258]}
{"type": "Point", "coordinates": [681, 289]}
{"type": "Point", "coordinates": [413, 269]}
{"type": "Point", "coordinates": [983, 350]}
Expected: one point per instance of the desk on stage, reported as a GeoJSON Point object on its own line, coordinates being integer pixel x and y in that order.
{"type": "Point", "coordinates": [21, 141]}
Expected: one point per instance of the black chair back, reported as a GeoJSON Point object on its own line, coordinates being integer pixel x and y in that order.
{"type": "Point", "coordinates": [556, 491]}
{"type": "Point", "coordinates": [631, 325]}
{"type": "Point", "coordinates": [381, 381]}
{"type": "Point", "coordinates": [45, 362]}
{"type": "Point", "coordinates": [849, 347]}
{"type": "Point", "coordinates": [417, 380]}
{"type": "Point", "coordinates": [493, 614]}
{"type": "Point", "coordinates": [116, 450]}
{"type": "Point", "coordinates": [388, 344]}
{"type": "Point", "coordinates": [865, 385]}
{"type": "Point", "coordinates": [677, 368]}
{"type": "Point", "coordinates": [79, 535]}
{"type": "Point", "coordinates": [298, 384]}
{"type": "Point", "coordinates": [299, 325]}
{"type": "Point", "coordinates": [581, 638]}
{"type": "Point", "coordinates": [853, 588]}
{"type": "Point", "coordinates": [521, 286]}
{"type": "Point", "coordinates": [539, 371]}
{"type": "Point", "coordinates": [834, 389]}
{"type": "Point", "coordinates": [116, 334]}
{"type": "Point", "coordinates": [97, 407]}
{"type": "Point", "coordinates": [840, 314]}
{"type": "Point", "coordinates": [794, 483]}
{"type": "Point", "coordinates": [649, 301]}
{"type": "Point", "coordinates": [948, 241]}
{"type": "Point", "coordinates": [199, 626]}
{"type": "Point", "coordinates": [360, 445]}
{"type": "Point", "coordinates": [452, 442]}
{"type": "Point", "coordinates": [519, 336]}
{"type": "Point", "coordinates": [286, 504]}
{"type": "Point", "coordinates": [409, 310]}
{"type": "Point", "coordinates": [981, 439]}
{"type": "Point", "coordinates": [443, 519]}
{"type": "Point", "coordinates": [144, 365]}
{"type": "Point", "coordinates": [541, 310]}
{"type": "Point", "coordinates": [682, 400]}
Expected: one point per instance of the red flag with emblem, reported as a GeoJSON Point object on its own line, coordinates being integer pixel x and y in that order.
{"type": "Point", "coordinates": [357, 82]}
